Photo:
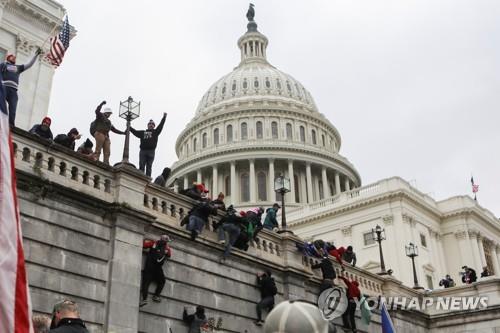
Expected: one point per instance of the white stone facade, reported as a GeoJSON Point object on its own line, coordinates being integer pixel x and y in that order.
{"type": "Point", "coordinates": [449, 233]}
{"type": "Point", "coordinates": [24, 26]}
{"type": "Point", "coordinates": [253, 125]}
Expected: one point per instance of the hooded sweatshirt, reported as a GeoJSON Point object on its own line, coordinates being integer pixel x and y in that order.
{"type": "Point", "coordinates": [149, 138]}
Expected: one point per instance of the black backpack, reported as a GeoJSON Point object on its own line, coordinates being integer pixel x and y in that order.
{"type": "Point", "coordinates": [92, 128]}
{"type": "Point", "coordinates": [274, 289]}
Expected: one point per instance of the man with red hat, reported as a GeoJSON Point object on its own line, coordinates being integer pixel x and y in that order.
{"type": "Point", "coordinates": [10, 79]}
{"type": "Point", "coordinates": [43, 130]}
{"type": "Point", "coordinates": [149, 140]}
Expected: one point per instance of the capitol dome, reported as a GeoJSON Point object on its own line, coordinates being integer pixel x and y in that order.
{"type": "Point", "coordinates": [255, 124]}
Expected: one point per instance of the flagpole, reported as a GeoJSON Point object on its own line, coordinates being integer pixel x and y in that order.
{"type": "Point", "coordinates": [50, 35]}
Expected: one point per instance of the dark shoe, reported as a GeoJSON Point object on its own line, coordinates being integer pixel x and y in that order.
{"type": "Point", "coordinates": [156, 299]}
{"type": "Point", "coordinates": [193, 234]}
{"type": "Point", "coordinates": [143, 302]}
{"type": "Point", "coordinates": [258, 322]}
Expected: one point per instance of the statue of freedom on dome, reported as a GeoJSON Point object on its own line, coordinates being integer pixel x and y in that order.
{"type": "Point", "coordinates": [250, 13]}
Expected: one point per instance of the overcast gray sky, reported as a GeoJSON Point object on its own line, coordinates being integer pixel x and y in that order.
{"type": "Point", "coordinates": [412, 86]}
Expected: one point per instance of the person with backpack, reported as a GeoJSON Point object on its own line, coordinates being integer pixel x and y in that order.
{"type": "Point", "coordinates": [149, 141]}
{"type": "Point", "coordinates": [68, 140]}
{"type": "Point", "coordinates": [158, 253]}
{"type": "Point", "coordinates": [270, 221]}
{"type": "Point", "coordinates": [99, 129]}
{"type": "Point", "coordinates": [268, 290]}
{"type": "Point", "coordinates": [10, 79]}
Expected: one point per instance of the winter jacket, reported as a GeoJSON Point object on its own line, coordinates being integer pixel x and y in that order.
{"type": "Point", "coordinates": [350, 257]}
{"type": "Point", "coordinates": [192, 193]}
{"type": "Point", "coordinates": [194, 321]}
{"type": "Point", "coordinates": [352, 289]}
{"type": "Point", "coordinates": [162, 179]}
{"type": "Point", "coordinates": [326, 269]}
{"type": "Point", "coordinates": [267, 286]}
{"type": "Point", "coordinates": [158, 253]}
{"type": "Point", "coordinates": [337, 253]}
{"type": "Point", "coordinates": [149, 138]}
{"type": "Point", "coordinates": [38, 130]}
{"type": "Point", "coordinates": [11, 72]}
{"type": "Point", "coordinates": [103, 124]}
{"type": "Point", "coordinates": [270, 220]}
{"type": "Point", "coordinates": [203, 210]}
{"type": "Point", "coordinates": [65, 140]}
{"type": "Point", "coordinates": [70, 325]}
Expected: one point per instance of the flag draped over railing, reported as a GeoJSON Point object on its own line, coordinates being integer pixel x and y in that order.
{"type": "Point", "coordinates": [59, 44]}
{"type": "Point", "coordinates": [15, 306]}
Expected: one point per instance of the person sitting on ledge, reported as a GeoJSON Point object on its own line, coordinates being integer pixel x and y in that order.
{"type": "Point", "coordinates": [86, 150]}
{"type": "Point", "coordinates": [447, 282]}
{"type": "Point", "coordinates": [68, 140]}
{"type": "Point", "coordinates": [158, 253]}
{"type": "Point", "coordinates": [162, 179]}
{"type": "Point", "coordinates": [43, 130]}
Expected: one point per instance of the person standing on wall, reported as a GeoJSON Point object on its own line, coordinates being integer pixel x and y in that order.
{"type": "Point", "coordinates": [99, 129]}
{"type": "Point", "coordinates": [149, 141]}
{"type": "Point", "coordinates": [10, 79]}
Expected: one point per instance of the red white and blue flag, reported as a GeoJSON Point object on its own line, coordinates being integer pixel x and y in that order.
{"type": "Point", "coordinates": [59, 44]}
{"type": "Point", "coordinates": [387, 325]}
{"type": "Point", "coordinates": [475, 187]}
{"type": "Point", "coordinates": [15, 305]}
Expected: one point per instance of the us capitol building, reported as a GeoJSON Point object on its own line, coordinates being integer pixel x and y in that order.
{"type": "Point", "coordinates": [257, 123]}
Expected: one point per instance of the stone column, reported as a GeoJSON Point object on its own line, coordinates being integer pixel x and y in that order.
{"type": "Point", "coordinates": [481, 250]}
{"type": "Point", "coordinates": [347, 185]}
{"type": "Point", "coordinates": [309, 183]}
{"type": "Point", "coordinates": [272, 194]}
{"type": "Point", "coordinates": [233, 182]}
{"type": "Point", "coordinates": [494, 255]}
{"type": "Point", "coordinates": [198, 176]}
{"type": "Point", "coordinates": [215, 181]}
{"type": "Point", "coordinates": [124, 271]}
{"type": "Point", "coordinates": [186, 182]}
{"type": "Point", "coordinates": [436, 253]}
{"type": "Point", "coordinates": [337, 183]}
{"type": "Point", "coordinates": [326, 186]}
{"type": "Point", "coordinates": [476, 264]}
{"type": "Point", "coordinates": [252, 180]}
{"type": "Point", "coordinates": [292, 181]}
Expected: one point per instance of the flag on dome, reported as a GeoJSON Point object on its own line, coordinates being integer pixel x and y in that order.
{"type": "Point", "coordinates": [59, 44]}
{"type": "Point", "coordinates": [15, 305]}
{"type": "Point", "coordinates": [475, 187]}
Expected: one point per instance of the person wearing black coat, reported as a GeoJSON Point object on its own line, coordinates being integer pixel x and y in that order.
{"type": "Point", "coordinates": [43, 130]}
{"type": "Point", "coordinates": [268, 290]}
{"type": "Point", "coordinates": [149, 141]}
{"type": "Point", "coordinates": [68, 140]}
{"type": "Point", "coordinates": [162, 179]}
{"type": "Point", "coordinates": [198, 216]}
{"type": "Point", "coordinates": [328, 273]}
{"type": "Point", "coordinates": [66, 319]}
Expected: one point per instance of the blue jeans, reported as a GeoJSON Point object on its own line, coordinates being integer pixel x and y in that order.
{"type": "Point", "coordinates": [146, 158]}
{"type": "Point", "coordinates": [195, 223]}
{"type": "Point", "coordinates": [234, 231]}
{"type": "Point", "coordinates": [11, 98]}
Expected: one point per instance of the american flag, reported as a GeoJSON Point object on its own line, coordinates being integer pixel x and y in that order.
{"type": "Point", "coordinates": [59, 44]}
{"type": "Point", "coordinates": [475, 187]}
{"type": "Point", "coordinates": [15, 305]}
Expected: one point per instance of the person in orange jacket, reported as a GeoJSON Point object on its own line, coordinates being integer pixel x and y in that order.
{"type": "Point", "coordinates": [158, 253]}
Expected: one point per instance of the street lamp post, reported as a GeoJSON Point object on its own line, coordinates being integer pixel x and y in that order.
{"type": "Point", "coordinates": [412, 252]}
{"type": "Point", "coordinates": [378, 235]}
{"type": "Point", "coordinates": [129, 110]}
{"type": "Point", "coordinates": [282, 186]}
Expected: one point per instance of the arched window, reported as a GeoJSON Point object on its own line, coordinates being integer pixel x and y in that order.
{"type": "Point", "coordinates": [289, 131]}
{"type": "Point", "coordinates": [245, 187]}
{"type": "Point", "coordinates": [262, 186]}
{"type": "Point", "coordinates": [227, 185]}
{"type": "Point", "coordinates": [313, 136]}
{"type": "Point", "coordinates": [194, 144]}
{"type": "Point", "coordinates": [204, 140]}
{"type": "Point", "coordinates": [274, 129]}
{"type": "Point", "coordinates": [229, 133]}
{"type": "Point", "coordinates": [244, 131]}
{"type": "Point", "coordinates": [296, 181]}
{"type": "Point", "coordinates": [216, 136]}
{"type": "Point", "coordinates": [258, 129]}
{"type": "Point", "coordinates": [323, 140]}
{"type": "Point", "coordinates": [302, 134]}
